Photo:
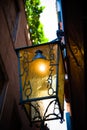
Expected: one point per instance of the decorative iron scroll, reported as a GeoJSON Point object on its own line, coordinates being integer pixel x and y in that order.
{"type": "Point", "coordinates": [36, 111]}
{"type": "Point", "coordinates": [51, 58]}
{"type": "Point", "coordinates": [24, 61]}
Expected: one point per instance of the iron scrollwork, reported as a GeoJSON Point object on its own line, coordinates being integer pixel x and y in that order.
{"type": "Point", "coordinates": [49, 80]}
{"type": "Point", "coordinates": [24, 59]}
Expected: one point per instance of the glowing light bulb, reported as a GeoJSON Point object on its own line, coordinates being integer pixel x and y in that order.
{"type": "Point", "coordinates": [42, 67]}
{"type": "Point", "coordinates": [39, 67]}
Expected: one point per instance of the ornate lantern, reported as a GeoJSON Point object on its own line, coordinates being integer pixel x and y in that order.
{"type": "Point", "coordinates": [41, 74]}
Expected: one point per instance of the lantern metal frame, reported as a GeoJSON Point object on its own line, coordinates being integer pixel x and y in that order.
{"type": "Point", "coordinates": [28, 103]}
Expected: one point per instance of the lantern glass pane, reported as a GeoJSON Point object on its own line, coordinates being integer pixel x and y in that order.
{"type": "Point", "coordinates": [61, 82]}
{"type": "Point", "coordinates": [39, 77]}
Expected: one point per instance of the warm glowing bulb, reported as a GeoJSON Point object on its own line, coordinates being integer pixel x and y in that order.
{"type": "Point", "coordinates": [42, 67]}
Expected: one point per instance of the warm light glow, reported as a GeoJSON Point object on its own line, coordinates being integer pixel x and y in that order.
{"type": "Point", "coordinates": [42, 67]}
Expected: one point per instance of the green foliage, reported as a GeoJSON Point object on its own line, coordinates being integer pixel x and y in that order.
{"type": "Point", "coordinates": [33, 10]}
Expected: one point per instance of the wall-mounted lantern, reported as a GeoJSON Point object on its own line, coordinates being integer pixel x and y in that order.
{"type": "Point", "coordinates": [41, 74]}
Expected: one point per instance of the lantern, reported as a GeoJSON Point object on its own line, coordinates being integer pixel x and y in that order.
{"type": "Point", "coordinates": [41, 75]}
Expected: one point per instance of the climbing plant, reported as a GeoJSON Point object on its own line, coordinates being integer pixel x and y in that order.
{"type": "Point", "coordinates": [33, 10]}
